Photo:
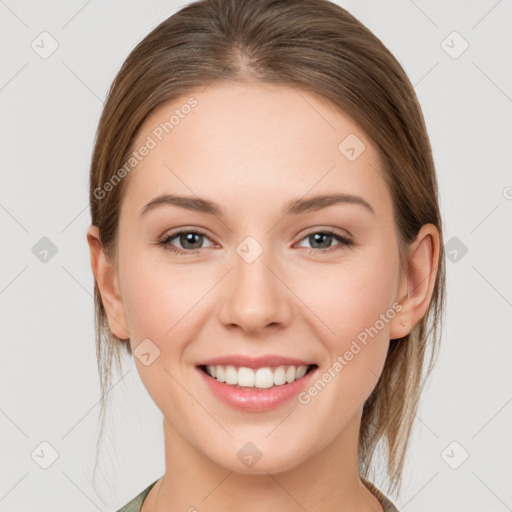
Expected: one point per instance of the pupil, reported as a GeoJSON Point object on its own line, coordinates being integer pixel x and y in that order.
{"type": "Point", "coordinates": [189, 238]}
{"type": "Point", "coordinates": [316, 236]}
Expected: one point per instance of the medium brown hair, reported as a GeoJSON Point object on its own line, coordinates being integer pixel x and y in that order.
{"type": "Point", "coordinates": [314, 46]}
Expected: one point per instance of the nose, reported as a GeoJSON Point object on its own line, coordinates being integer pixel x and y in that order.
{"type": "Point", "coordinates": [254, 297]}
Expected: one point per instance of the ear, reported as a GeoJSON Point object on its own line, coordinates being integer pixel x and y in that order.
{"type": "Point", "coordinates": [417, 284]}
{"type": "Point", "coordinates": [107, 281]}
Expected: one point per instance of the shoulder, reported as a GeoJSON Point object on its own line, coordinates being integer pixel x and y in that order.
{"type": "Point", "coordinates": [386, 503]}
{"type": "Point", "coordinates": [136, 503]}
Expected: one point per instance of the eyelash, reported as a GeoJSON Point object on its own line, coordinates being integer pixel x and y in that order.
{"type": "Point", "coordinates": [344, 241]}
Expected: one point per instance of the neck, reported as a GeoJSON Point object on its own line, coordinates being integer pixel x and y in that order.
{"type": "Point", "coordinates": [327, 481]}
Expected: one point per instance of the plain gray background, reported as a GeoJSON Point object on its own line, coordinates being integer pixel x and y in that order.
{"type": "Point", "coordinates": [49, 384]}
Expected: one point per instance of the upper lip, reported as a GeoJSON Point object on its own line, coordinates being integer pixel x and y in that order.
{"type": "Point", "coordinates": [255, 362]}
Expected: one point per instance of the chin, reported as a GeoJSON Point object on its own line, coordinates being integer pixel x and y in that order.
{"type": "Point", "coordinates": [249, 460]}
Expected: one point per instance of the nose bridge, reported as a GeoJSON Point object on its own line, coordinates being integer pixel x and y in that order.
{"type": "Point", "coordinates": [252, 267]}
{"type": "Point", "coordinates": [255, 297]}
{"type": "Point", "coordinates": [254, 280]}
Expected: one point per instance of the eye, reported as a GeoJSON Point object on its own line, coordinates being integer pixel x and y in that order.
{"type": "Point", "coordinates": [324, 239]}
{"type": "Point", "coordinates": [191, 241]}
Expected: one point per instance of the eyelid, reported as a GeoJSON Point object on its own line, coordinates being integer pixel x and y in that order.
{"type": "Point", "coordinates": [344, 233]}
{"type": "Point", "coordinates": [344, 241]}
{"type": "Point", "coordinates": [186, 229]}
{"type": "Point", "coordinates": [326, 229]}
{"type": "Point", "coordinates": [175, 233]}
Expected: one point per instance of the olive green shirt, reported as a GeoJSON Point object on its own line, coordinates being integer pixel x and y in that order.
{"type": "Point", "coordinates": [136, 504]}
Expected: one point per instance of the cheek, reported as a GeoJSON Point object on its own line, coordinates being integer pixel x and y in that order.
{"type": "Point", "coordinates": [356, 303]}
{"type": "Point", "coordinates": [157, 296]}
{"type": "Point", "coordinates": [351, 296]}
{"type": "Point", "coordinates": [159, 305]}
{"type": "Point", "coordinates": [353, 303]}
{"type": "Point", "coordinates": [148, 309]}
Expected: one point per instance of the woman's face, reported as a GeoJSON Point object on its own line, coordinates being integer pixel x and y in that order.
{"type": "Point", "coordinates": [263, 278]}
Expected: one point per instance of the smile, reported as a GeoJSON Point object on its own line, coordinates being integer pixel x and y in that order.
{"type": "Point", "coordinates": [256, 378]}
{"type": "Point", "coordinates": [256, 389]}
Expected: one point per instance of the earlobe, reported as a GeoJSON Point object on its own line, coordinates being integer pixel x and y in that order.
{"type": "Point", "coordinates": [418, 285]}
{"type": "Point", "coordinates": [107, 281]}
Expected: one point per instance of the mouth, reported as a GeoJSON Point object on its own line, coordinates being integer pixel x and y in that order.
{"type": "Point", "coordinates": [256, 388]}
{"type": "Point", "coordinates": [257, 378]}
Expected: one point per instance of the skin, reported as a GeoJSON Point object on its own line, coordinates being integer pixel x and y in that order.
{"type": "Point", "coordinates": [252, 148]}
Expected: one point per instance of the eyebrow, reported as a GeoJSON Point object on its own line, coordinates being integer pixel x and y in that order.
{"type": "Point", "coordinates": [294, 207]}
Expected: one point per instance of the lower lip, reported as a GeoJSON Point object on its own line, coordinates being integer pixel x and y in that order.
{"type": "Point", "coordinates": [254, 400]}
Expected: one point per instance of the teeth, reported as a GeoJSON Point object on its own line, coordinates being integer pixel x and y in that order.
{"type": "Point", "coordinates": [261, 378]}
{"type": "Point", "coordinates": [245, 377]}
{"type": "Point", "coordinates": [220, 373]}
{"type": "Point", "coordinates": [231, 377]}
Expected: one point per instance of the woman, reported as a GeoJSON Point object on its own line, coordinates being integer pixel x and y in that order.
{"type": "Point", "coordinates": [236, 133]}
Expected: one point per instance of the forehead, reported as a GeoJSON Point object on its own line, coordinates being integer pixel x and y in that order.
{"type": "Point", "coordinates": [254, 140]}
